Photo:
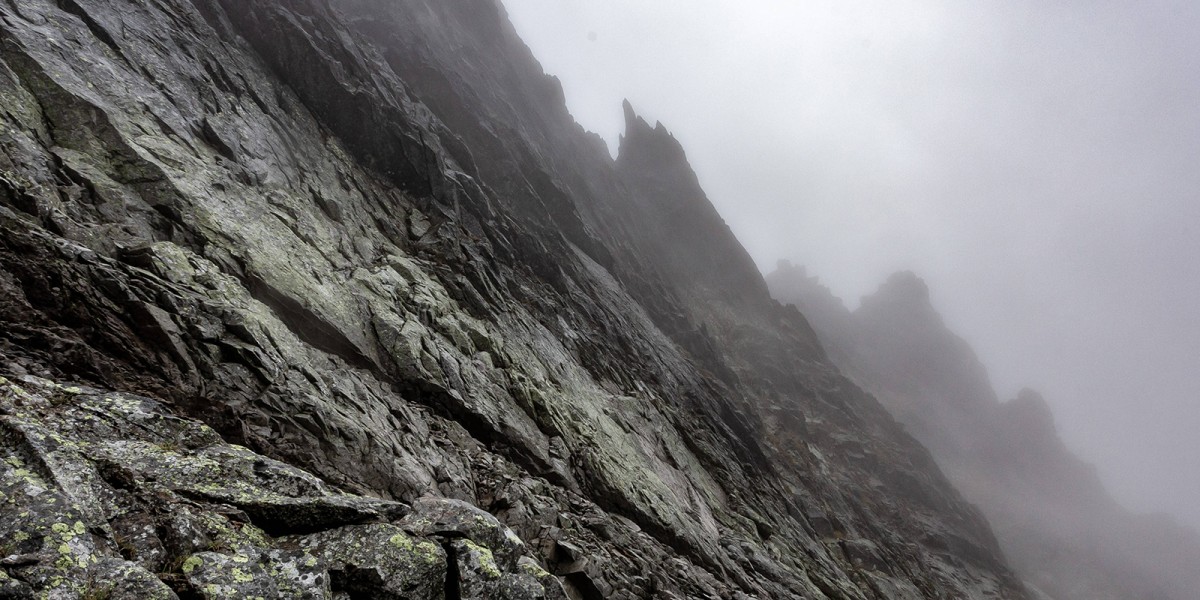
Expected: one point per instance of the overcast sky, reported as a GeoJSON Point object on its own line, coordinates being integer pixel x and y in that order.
{"type": "Point", "coordinates": [1038, 163]}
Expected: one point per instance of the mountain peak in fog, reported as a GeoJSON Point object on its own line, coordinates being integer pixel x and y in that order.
{"type": "Point", "coordinates": [650, 142]}
{"type": "Point", "coordinates": [902, 289]}
{"type": "Point", "coordinates": [1007, 457]}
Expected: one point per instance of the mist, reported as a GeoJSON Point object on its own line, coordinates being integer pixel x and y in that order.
{"type": "Point", "coordinates": [1035, 163]}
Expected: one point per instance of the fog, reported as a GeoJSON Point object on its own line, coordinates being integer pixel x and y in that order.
{"type": "Point", "coordinates": [1037, 163]}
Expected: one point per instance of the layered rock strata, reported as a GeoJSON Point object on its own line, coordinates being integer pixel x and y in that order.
{"type": "Point", "coordinates": [364, 243]}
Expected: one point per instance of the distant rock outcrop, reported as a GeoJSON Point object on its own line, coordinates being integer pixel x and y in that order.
{"type": "Point", "coordinates": [1056, 522]}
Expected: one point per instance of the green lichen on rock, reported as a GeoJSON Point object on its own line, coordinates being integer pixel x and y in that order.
{"type": "Point", "coordinates": [196, 532]}
{"type": "Point", "coordinates": [116, 579]}
{"type": "Point", "coordinates": [480, 578]}
{"type": "Point", "coordinates": [531, 567]}
{"type": "Point", "coordinates": [379, 557]}
{"type": "Point", "coordinates": [445, 516]}
{"type": "Point", "coordinates": [427, 551]}
{"type": "Point", "coordinates": [225, 577]}
{"type": "Point", "coordinates": [483, 558]}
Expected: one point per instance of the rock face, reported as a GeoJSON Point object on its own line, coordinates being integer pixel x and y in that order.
{"type": "Point", "coordinates": [441, 344]}
{"type": "Point", "coordinates": [1055, 520]}
{"type": "Point", "coordinates": [108, 495]}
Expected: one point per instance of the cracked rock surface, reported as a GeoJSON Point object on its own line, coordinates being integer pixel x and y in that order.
{"type": "Point", "coordinates": [442, 344]}
{"type": "Point", "coordinates": [108, 495]}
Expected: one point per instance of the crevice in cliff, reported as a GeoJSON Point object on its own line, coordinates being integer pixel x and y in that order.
{"type": "Point", "coordinates": [310, 327]}
{"type": "Point", "coordinates": [102, 34]}
{"type": "Point", "coordinates": [582, 586]}
{"type": "Point", "coordinates": [453, 578]}
{"type": "Point", "coordinates": [447, 406]}
{"type": "Point", "coordinates": [14, 193]}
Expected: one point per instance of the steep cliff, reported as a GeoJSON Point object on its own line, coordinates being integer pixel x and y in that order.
{"type": "Point", "coordinates": [1056, 522]}
{"type": "Point", "coordinates": [366, 246]}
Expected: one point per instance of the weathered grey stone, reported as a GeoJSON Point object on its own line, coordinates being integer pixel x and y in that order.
{"type": "Point", "coordinates": [117, 579]}
{"type": "Point", "coordinates": [451, 519]}
{"type": "Point", "coordinates": [551, 586]}
{"type": "Point", "coordinates": [366, 239]}
{"type": "Point", "coordinates": [379, 561]}
{"type": "Point", "coordinates": [480, 577]}
{"type": "Point", "coordinates": [12, 589]}
{"type": "Point", "coordinates": [169, 497]}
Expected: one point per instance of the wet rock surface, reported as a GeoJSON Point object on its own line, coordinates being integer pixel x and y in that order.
{"type": "Point", "coordinates": [365, 245]}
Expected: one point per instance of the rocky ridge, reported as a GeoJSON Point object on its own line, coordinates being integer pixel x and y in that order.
{"type": "Point", "coordinates": [365, 245]}
{"type": "Point", "coordinates": [1057, 523]}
